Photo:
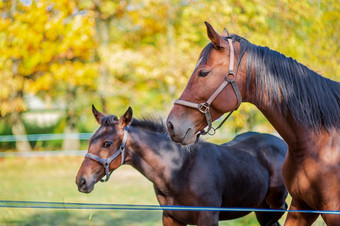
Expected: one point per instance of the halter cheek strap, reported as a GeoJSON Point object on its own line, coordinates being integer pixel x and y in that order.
{"type": "Point", "coordinates": [205, 106]}
{"type": "Point", "coordinates": [107, 161]}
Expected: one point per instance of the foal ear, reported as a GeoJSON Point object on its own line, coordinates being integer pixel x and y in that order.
{"type": "Point", "coordinates": [97, 114]}
{"type": "Point", "coordinates": [126, 119]}
{"type": "Point", "coordinates": [225, 33]}
{"type": "Point", "coordinates": [214, 37]}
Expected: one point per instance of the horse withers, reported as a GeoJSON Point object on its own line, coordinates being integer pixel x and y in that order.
{"type": "Point", "coordinates": [245, 172]}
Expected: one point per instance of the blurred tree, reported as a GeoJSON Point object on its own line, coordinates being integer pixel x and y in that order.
{"type": "Point", "coordinates": [13, 85]}
{"type": "Point", "coordinates": [142, 52]}
{"type": "Point", "coordinates": [154, 45]}
{"type": "Point", "coordinates": [53, 56]}
{"type": "Point", "coordinates": [103, 12]}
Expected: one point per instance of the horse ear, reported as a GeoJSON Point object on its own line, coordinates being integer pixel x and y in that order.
{"type": "Point", "coordinates": [97, 114]}
{"type": "Point", "coordinates": [225, 33]}
{"type": "Point", "coordinates": [126, 119]}
{"type": "Point", "coordinates": [214, 37]}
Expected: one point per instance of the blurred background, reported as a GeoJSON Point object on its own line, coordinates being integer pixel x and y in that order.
{"type": "Point", "coordinates": [57, 57]}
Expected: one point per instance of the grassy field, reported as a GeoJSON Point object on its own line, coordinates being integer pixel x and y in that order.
{"type": "Point", "coordinates": [53, 179]}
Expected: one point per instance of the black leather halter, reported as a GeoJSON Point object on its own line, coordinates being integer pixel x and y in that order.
{"type": "Point", "coordinates": [205, 106]}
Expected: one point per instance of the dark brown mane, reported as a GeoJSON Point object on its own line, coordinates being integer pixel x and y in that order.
{"type": "Point", "coordinates": [150, 124]}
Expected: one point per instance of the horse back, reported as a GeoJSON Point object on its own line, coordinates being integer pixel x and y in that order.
{"type": "Point", "coordinates": [259, 144]}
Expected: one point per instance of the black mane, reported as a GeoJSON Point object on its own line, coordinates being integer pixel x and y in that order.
{"type": "Point", "coordinates": [288, 86]}
{"type": "Point", "coordinates": [150, 124]}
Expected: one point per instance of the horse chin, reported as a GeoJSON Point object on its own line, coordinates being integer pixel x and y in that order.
{"type": "Point", "coordinates": [189, 138]}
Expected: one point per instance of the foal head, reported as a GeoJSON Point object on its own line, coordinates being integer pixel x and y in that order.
{"type": "Point", "coordinates": [105, 152]}
{"type": "Point", "coordinates": [184, 122]}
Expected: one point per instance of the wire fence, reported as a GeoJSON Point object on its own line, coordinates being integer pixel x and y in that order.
{"type": "Point", "coordinates": [100, 206]}
{"type": "Point", "coordinates": [33, 154]}
{"type": "Point", "coordinates": [46, 137]}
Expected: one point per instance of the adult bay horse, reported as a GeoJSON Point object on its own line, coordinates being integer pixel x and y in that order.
{"type": "Point", "coordinates": [245, 172]}
{"type": "Point", "coordinates": [303, 106]}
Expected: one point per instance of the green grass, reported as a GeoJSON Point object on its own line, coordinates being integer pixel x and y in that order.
{"type": "Point", "coordinates": [53, 179]}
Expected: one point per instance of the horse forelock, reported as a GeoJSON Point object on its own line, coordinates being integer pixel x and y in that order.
{"type": "Point", "coordinates": [108, 120]}
{"type": "Point", "coordinates": [204, 56]}
{"type": "Point", "coordinates": [106, 127]}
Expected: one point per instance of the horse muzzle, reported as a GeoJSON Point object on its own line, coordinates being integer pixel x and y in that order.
{"type": "Point", "coordinates": [181, 131]}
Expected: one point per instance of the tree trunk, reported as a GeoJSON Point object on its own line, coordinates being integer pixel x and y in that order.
{"type": "Point", "coordinates": [71, 124]}
{"type": "Point", "coordinates": [18, 130]}
{"type": "Point", "coordinates": [102, 31]}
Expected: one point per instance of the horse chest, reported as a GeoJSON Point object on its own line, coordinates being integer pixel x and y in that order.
{"type": "Point", "coordinates": [313, 181]}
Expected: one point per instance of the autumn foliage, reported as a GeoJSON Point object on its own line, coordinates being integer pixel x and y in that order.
{"type": "Point", "coordinates": [140, 53]}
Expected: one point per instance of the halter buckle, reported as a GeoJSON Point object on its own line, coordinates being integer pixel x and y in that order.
{"type": "Point", "coordinates": [204, 107]}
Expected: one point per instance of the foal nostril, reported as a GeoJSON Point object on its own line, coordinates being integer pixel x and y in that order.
{"type": "Point", "coordinates": [170, 127]}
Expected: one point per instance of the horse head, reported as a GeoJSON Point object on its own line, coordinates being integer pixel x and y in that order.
{"type": "Point", "coordinates": [105, 147]}
{"type": "Point", "coordinates": [205, 92]}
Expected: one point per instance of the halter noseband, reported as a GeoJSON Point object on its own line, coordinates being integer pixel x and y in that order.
{"type": "Point", "coordinates": [107, 161]}
{"type": "Point", "coordinates": [205, 106]}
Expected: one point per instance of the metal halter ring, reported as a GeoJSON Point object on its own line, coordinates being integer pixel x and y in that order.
{"type": "Point", "coordinates": [233, 77]}
{"type": "Point", "coordinates": [212, 133]}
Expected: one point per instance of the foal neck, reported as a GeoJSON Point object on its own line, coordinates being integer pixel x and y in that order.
{"type": "Point", "coordinates": [154, 155]}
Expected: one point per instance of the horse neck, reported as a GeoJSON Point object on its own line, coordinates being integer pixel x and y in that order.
{"type": "Point", "coordinates": [294, 135]}
{"type": "Point", "coordinates": [298, 138]}
{"type": "Point", "coordinates": [154, 155]}
{"type": "Point", "coordinates": [285, 125]}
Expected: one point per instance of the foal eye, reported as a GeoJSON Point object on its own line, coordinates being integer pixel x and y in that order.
{"type": "Point", "coordinates": [203, 73]}
{"type": "Point", "coordinates": [107, 144]}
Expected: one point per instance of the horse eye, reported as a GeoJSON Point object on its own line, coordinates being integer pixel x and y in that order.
{"type": "Point", "coordinates": [107, 144]}
{"type": "Point", "coordinates": [203, 73]}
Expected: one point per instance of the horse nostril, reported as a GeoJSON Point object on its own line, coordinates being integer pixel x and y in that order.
{"type": "Point", "coordinates": [170, 127]}
{"type": "Point", "coordinates": [82, 182]}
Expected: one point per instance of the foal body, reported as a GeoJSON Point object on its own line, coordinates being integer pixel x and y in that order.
{"type": "Point", "coordinates": [245, 172]}
{"type": "Point", "coordinates": [236, 175]}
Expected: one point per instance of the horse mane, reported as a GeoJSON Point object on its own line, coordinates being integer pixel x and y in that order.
{"type": "Point", "coordinates": [284, 84]}
{"type": "Point", "coordinates": [150, 123]}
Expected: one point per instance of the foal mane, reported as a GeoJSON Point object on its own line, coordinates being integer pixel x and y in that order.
{"type": "Point", "coordinates": [151, 124]}
{"type": "Point", "coordinates": [288, 86]}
